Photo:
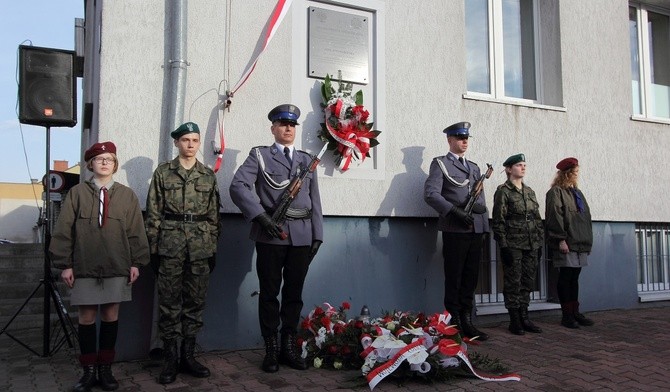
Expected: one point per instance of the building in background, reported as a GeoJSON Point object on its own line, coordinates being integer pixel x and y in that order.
{"type": "Point", "coordinates": [21, 205]}
{"type": "Point", "coordinates": [547, 78]}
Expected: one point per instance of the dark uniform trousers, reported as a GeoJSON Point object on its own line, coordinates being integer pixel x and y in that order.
{"type": "Point", "coordinates": [462, 253]}
{"type": "Point", "coordinates": [182, 289]}
{"type": "Point", "coordinates": [519, 277]}
{"type": "Point", "coordinates": [274, 262]}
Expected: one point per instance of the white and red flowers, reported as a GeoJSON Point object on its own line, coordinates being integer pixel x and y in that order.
{"type": "Point", "coordinates": [346, 129]}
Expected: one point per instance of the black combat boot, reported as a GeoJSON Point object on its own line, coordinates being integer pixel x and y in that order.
{"type": "Point", "coordinates": [580, 318]}
{"type": "Point", "coordinates": [288, 355]}
{"type": "Point", "coordinates": [515, 326]}
{"type": "Point", "coordinates": [170, 362]}
{"type": "Point", "coordinates": [189, 364]}
{"type": "Point", "coordinates": [568, 319]}
{"type": "Point", "coordinates": [271, 362]}
{"type": "Point", "coordinates": [528, 325]}
{"type": "Point", "coordinates": [88, 380]}
{"type": "Point", "coordinates": [468, 329]}
{"type": "Point", "coordinates": [105, 376]}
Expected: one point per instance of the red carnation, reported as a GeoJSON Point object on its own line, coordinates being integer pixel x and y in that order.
{"type": "Point", "coordinates": [346, 305]}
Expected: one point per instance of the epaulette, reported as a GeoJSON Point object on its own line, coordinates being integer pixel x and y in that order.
{"type": "Point", "coordinates": [260, 147]}
{"type": "Point", "coordinates": [469, 161]}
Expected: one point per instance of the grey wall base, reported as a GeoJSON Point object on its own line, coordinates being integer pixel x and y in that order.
{"type": "Point", "coordinates": [384, 263]}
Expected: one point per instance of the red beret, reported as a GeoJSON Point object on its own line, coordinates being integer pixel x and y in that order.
{"type": "Point", "coordinates": [567, 163]}
{"type": "Point", "coordinates": [99, 148]}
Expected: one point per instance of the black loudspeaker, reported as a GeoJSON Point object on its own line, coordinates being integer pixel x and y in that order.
{"type": "Point", "coordinates": [47, 87]}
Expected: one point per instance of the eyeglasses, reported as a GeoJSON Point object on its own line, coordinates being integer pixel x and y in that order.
{"type": "Point", "coordinates": [104, 161]}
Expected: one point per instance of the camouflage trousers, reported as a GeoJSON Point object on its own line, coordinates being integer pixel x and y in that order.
{"type": "Point", "coordinates": [519, 277]}
{"type": "Point", "coordinates": [182, 288]}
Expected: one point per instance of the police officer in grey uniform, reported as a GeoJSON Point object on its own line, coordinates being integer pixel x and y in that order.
{"type": "Point", "coordinates": [256, 190]}
{"type": "Point", "coordinates": [182, 226]}
{"type": "Point", "coordinates": [446, 190]}
{"type": "Point", "coordinates": [518, 230]}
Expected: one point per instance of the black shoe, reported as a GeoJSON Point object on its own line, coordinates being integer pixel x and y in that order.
{"type": "Point", "coordinates": [582, 320]}
{"type": "Point", "coordinates": [106, 378]}
{"type": "Point", "coordinates": [515, 326]}
{"type": "Point", "coordinates": [528, 325]}
{"type": "Point", "coordinates": [568, 321]}
{"type": "Point", "coordinates": [470, 330]}
{"type": "Point", "coordinates": [288, 354]}
{"type": "Point", "coordinates": [87, 381]}
{"type": "Point", "coordinates": [170, 363]}
{"type": "Point", "coordinates": [271, 362]}
{"type": "Point", "coordinates": [189, 364]}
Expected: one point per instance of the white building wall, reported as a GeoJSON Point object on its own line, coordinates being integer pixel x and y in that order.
{"type": "Point", "coordinates": [423, 54]}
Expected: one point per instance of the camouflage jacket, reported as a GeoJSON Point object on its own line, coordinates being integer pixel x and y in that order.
{"type": "Point", "coordinates": [516, 219]}
{"type": "Point", "coordinates": [175, 190]}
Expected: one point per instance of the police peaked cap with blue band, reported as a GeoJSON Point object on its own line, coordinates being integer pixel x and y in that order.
{"type": "Point", "coordinates": [189, 127]}
{"type": "Point", "coordinates": [286, 112]}
{"type": "Point", "coordinates": [514, 159]}
{"type": "Point", "coordinates": [458, 129]}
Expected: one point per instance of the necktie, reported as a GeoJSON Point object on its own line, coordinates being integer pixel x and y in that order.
{"type": "Point", "coordinates": [104, 203]}
{"type": "Point", "coordinates": [287, 154]}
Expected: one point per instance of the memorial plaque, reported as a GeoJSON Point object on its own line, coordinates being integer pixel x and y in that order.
{"type": "Point", "coordinates": [338, 43]}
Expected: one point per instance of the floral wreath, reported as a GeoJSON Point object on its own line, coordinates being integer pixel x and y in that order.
{"type": "Point", "coordinates": [400, 344]}
{"type": "Point", "coordinates": [346, 129]}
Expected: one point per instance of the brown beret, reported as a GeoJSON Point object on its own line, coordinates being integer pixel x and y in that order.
{"type": "Point", "coordinates": [567, 163]}
{"type": "Point", "coordinates": [99, 148]}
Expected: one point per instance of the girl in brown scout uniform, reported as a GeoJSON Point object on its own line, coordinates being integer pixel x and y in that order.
{"type": "Point", "coordinates": [99, 242]}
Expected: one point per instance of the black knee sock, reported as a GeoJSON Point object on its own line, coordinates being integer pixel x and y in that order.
{"type": "Point", "coordinates": [108, 332]}
{"type": "Point", "coordinates": [87, 339]}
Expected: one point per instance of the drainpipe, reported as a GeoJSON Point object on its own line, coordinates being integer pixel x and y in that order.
{"type": "Point", "coordinates": [175, 83]}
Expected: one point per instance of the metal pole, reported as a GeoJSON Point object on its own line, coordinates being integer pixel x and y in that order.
{"type": "Point", "coordinates": [46, 327]}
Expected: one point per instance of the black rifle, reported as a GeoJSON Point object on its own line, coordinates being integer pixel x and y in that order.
{"type": "Point", "coordinates": [477, 190]}
{"type": "Point", "coordinates": [291, 191]}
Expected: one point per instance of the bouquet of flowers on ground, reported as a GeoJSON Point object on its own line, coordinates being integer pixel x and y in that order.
{"type": "Point", "coordinates": [398, 344]}
{"type": "Point", "coordinates": [346, 129]}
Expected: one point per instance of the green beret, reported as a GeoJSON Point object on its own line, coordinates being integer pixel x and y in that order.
{"type": "Point", "coordinates": [189, 127]}
{"type": "Point", "coordinates": [514, 159]}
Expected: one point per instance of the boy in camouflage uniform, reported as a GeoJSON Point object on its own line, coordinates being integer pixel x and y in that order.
{"type": "Point", "coordinates": [517, 227]}
{"type": "Point", "coordinates": [182, 226]}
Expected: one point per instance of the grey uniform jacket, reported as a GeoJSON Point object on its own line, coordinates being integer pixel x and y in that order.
{"type": "Point", "coordinates": [253, 195]}
{"type": "Point", "coordinates": [442, 194]}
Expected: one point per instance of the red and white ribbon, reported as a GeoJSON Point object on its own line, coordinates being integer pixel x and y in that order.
{"type": "Point", "coordinates": [487, 377]}
{"type": "Point", "coordinates": [280, 10]}
{"type": "Point", "coordinates": [381, 372]}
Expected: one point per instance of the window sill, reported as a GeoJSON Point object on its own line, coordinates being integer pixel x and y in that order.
{"type": "Point", "coordinates": [650, 120]}
{"type": "Point", "coordinates": [651, 296]}
{"type": "Point", "coordinates": [509, 101]}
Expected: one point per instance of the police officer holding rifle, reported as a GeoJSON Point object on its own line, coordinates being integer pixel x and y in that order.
{"type": "Point", "coordinates": [454, 189]}
{"type": "Point", "coordinates": [276, 188]}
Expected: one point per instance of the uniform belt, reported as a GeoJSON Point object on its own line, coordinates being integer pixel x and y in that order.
{"type": "Point", "coordinates": [185, 217]}
{"type": "Point", "coordinates": [296, 213]}
{"type": "Point", "coordinates": [522, 217]}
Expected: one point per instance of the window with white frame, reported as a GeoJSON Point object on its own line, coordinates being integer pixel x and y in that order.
{"type": "Point", "coordinates": [650, 58]}
{"type": "Point", "coordinates": [653, 261]}
{"type": "Point", "coordinates": [513, 50]}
